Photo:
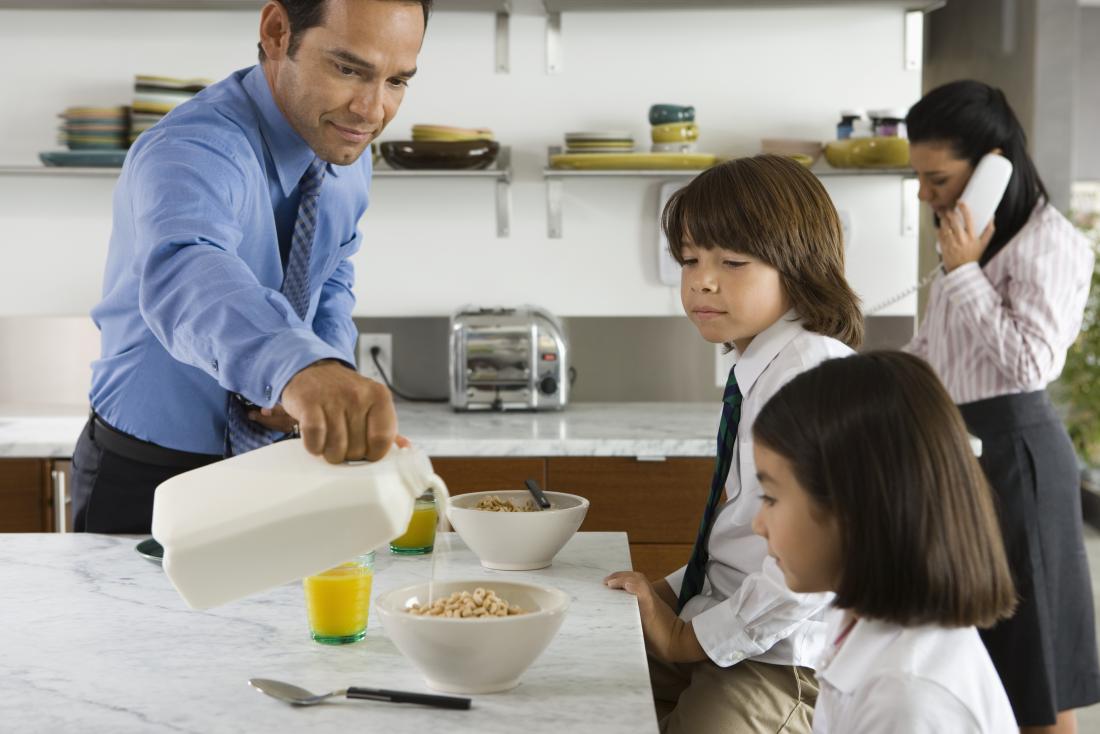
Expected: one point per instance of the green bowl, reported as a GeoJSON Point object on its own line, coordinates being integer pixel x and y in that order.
{"type": "Point", "coordinates": [662, 114]}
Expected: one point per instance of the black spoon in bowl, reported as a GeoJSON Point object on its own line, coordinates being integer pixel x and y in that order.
{"type": "Point", "coordinates": [540, 499]}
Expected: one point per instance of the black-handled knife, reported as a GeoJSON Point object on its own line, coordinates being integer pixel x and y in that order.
{"type": "Point", "coordinates": [424, 699]}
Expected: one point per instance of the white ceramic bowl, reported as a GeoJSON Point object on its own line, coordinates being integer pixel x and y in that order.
{"type": "Point", "coordinates": [482, 655]}
{"type": "Point", "coordinates": [516, 541]}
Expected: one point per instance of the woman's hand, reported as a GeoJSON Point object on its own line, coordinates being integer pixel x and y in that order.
{"type": "Point", "coordinates": [959, 243]}
{"type": "Point", "coordinates": [669, 637]}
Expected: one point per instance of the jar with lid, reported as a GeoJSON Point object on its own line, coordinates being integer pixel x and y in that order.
{"type": "Point", "coordinates": [888, 123]}
{"type": "Point", "coordinates": [847, 120]}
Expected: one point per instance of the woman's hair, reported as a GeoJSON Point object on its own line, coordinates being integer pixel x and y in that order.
{"type": "Point", "coordinates": [306, 14]}
{"type": "Point", "coordinates": [974, 118]}
{"type": "Point", "coordinates": [773, 209]}
{"type": "Point", "coordinates": [875, 440]}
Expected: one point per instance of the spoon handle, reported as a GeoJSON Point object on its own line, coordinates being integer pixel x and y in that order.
{"type": "Point", "coordinates": [426, 699]}
{"type": "Point", "coordinates": [540, 498]}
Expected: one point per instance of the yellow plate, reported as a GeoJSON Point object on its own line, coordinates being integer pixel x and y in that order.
{"type": "Point", "coordinates": [632, 161]}
{"type": "Point", "coordinates": [450, 137]}
{"type": "Point", "coordinates": [868, 153]}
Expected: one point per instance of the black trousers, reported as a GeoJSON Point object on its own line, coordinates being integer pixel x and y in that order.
{"type": "Point", "coordinates": [115, 475]}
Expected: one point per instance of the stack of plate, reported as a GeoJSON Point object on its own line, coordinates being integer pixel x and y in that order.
{"type": "Point", "coordinates": [156, 96]}
{"type": "Point", "coordinates": [616, 141]}
{"type": "Point", "coordinates": [94, 128]}
{"type": "Point", "coordinates": [446, 134]}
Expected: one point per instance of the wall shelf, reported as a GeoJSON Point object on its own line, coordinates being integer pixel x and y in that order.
{"type": "Point", "coordinates": [914, 10]}
{"type": "Point", "coordinates": [555, 180]}
{"type": "Point", "coordinates": [500, 173]}
{"type": "Point", "coordinates": [502, 9]}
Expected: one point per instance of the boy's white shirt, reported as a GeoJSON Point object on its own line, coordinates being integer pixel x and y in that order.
{"type": "Point", "coordinates": [745, 609]}
{"type": "Point", "coordinates": [909, 680]}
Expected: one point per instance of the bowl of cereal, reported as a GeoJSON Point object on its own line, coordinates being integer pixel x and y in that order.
{"type": "Point", "coordinates": [472, 636]}
{"type": "Point", "coordinates": [508, 532]}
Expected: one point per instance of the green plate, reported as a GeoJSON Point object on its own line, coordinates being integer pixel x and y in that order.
{"type": "Point", "coordinates": [150, 550]}
{"type": "Point", "coordinates": [103, 158]}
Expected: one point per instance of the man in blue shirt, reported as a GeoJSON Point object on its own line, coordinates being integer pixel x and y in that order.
{"type": "Point", "coordinates": [226, 314]}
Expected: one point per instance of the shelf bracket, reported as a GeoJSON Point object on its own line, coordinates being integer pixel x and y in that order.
{"type": "Point", "coordinates": [504, 193]}
{"type": "Point", "coordinates": [553, 42]}
{"type": "Point", "coordinates": [503, 55]}
{"type": "Point", "coordinates": [553, 208]}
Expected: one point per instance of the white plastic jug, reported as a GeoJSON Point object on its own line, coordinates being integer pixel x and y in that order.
{"type": "Point", "coordinates": [277, 514]}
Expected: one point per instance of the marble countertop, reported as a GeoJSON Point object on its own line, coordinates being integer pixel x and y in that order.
{"type": "Point", "coordinates": [648, 430]}
{"type": "Point", "coordinates": [96, 639]}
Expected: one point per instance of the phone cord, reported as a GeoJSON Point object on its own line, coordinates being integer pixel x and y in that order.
{"type": "Point", "coordinates": [924, 283]}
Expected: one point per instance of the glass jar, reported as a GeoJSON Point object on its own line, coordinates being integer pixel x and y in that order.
{"type": "Point", "coordinates": [338, 601]}
{"type": "Point", "coordinates": [419, 537]}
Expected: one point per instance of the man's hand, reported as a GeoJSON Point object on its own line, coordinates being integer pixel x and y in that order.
{"type": "Point", "coordinates": [340, 413]}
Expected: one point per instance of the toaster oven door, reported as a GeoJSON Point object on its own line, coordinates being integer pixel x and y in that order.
{"type": "Point", "coordinates": [498, 357]}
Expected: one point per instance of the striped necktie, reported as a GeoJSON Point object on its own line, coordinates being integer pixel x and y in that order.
{"type": "Point", "coordinates": [242, 434]}
{"type": "Point", "coordinates": [727, 435]}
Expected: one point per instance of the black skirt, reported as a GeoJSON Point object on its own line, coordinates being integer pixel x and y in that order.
{"type": "Point", "coordinates": [1046, 653]}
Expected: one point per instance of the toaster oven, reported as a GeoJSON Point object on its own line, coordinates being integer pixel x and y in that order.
{"type": "Point", "coordinates": [508, 359]}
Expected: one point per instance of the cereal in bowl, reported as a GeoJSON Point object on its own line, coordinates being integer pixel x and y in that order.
{"type": "Point", "coordinates": [492, 503]}
{"type": "Point", "coordinates": [464, 604]}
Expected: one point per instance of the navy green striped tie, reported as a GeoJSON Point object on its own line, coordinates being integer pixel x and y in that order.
{"type": "Point", "coordinates": [727, 434]}
{"type": "Point", "coordinates": [242, 434]}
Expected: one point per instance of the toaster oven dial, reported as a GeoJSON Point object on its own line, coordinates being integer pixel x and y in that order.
{"type": "Point", "coordinates": [548, 385]}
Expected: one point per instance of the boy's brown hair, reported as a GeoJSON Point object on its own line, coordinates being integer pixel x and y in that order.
{"type": "Point", "coordinates": [875, 440]}
{"type": "Point", "coordinates": [773, 209]}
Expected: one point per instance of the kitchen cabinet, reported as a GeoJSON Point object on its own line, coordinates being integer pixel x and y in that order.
{"type": "Point", "coordinates": [657, 503]}
{"type": "Point", "coordinates": [30, 492]}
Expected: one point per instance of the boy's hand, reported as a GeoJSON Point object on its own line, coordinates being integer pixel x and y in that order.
{"type": "Point", "coordinates": [669, 637]}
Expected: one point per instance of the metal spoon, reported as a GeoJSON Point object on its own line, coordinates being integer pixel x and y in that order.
{"type": "Point", "coordinates": [301, 697]}
{"type": "Point", "coordinates": [540, 498]}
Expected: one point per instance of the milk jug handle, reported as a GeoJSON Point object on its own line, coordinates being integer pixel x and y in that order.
{"type": "Point", "coordinates": [442, 499]}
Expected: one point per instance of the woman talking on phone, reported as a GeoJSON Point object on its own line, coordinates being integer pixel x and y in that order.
{"type": "Point", "coordinates": [1001, 315]}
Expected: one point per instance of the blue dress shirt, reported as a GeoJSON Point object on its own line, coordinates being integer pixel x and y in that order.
{"type": "Point", "coordinates": [191, 312]}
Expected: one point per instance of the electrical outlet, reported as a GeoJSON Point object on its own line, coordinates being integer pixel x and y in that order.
{"type": "Point", "coordinates": [367, 367]}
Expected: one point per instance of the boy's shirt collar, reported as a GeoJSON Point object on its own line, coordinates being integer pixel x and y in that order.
{"type": "Point", "coordinates": [764, 348]}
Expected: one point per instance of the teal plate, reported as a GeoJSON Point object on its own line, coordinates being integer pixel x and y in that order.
{"type": "Point", "coordinates": [150, 550]}
{"type": "Point", "coordinates": [112, 158]}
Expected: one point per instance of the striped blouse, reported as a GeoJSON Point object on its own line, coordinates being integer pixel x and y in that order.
{"type": "Point", "coordinates": [1005, 328]}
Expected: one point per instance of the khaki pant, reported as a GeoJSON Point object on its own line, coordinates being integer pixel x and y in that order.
{"type": "Point", "coordinates": [749, 697]}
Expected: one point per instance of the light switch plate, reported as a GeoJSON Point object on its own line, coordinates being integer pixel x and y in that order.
{"type": "Point", "coordinates": [668, 270]}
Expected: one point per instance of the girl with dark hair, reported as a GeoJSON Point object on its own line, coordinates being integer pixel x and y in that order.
{"type": "Point", "coordinates": [762, 271]}
{"type": "Point", "coordinates": [999, 320]}
{"type": "Point", "coordinates": [871, 491]}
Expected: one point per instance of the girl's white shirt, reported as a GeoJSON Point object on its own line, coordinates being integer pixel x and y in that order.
{"type": "Point", "coordinates": [909, 680]}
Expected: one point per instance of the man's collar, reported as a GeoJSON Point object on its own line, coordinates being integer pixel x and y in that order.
{"type": "Point", "coordinates": [289, 151]}
{"type": "Point", "coordinates": [764, 348]}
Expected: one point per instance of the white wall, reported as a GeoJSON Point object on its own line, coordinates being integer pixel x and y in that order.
{"type": "Point", "coordinates": [431, 245]}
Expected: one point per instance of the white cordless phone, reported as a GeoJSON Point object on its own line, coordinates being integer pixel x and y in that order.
{"type": "Point", "coordinates": [982, 195]}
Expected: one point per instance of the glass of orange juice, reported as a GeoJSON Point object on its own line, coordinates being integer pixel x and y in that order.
{"type": "Point", "coordinates": [419, 537]}
{"type": "Point", "coordinates": [338, 600]}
